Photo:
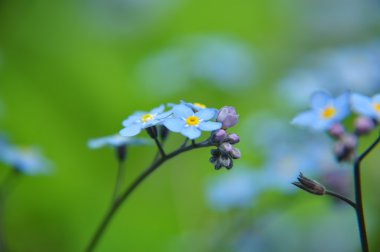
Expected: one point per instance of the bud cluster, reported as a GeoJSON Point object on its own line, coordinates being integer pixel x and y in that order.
{"type": "Point", "coordinates": [225, 152]}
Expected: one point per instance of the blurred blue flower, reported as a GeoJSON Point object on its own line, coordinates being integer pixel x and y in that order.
{"type": "Point", "coordinates": [191, 124]}
{"type": "Point", "coordinates": [28, 161]}
{"type": "Point", "coordinates": [354, 68]}
{"type": "Point", "coordinates": [325, 111]}
{"type": "Point", "coordinates": [235, 189]}
{"type": "Point", "coordinates": [366, 106]}
{"type": "Point", "coordinates": [142, 120]}
{"type": "Point", "coordinates": [115, 141]}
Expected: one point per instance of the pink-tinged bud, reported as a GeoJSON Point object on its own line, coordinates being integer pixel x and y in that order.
{"type": "Point", "coordinates": [344, 148]}
{"type": "Point", "coordinates": [227, 116]}
{"type": "Point", "coordinates": [226, 147]}
{"type": "Point", "coordinates": [233, 138]}
{"type": "Point", "coordinates": [336, 130]}
{"type": "Point", "coordinates": [364, 125]}
{"type": "Point", "coordinates": [235, 153]}
{"type": "Point", "coordinates": [219, 136]}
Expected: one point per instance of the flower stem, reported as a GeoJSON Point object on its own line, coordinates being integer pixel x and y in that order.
{"type": "Point", "coordinates": [119, 179]}
{"type": "Point", "coordinates": [358, 195]}
{"type": "Point", "coordinates": [119, 201]}
{"type": "Point", "coordinates": [160, 148]}
{"type": "Point", "coordinates": [338, 196]}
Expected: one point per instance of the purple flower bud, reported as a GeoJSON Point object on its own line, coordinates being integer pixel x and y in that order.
{"type": "Point", "coordinates": [235, 153]}
{"type": "Point", "coordinates": [227, 116]}
{"type": "Point", "coordinates": [344, 149]}
{"type": "Point", "coordinates": [336, 130]}
{"type": "Point", "coordinates": [219, 136]}
{"type": "Point", "coordinates": [233, 138]}
{"type": "Point", "coordinates": [364, 125]}
{"type": "Point", "coordinates": [226, 147]}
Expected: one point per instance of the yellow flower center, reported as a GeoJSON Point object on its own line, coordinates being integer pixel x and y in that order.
{"type": "Point", "coordinates": [192, 121]}
{"type": "Point", "coordinates": [200, 105]}
{"type": "Point", "coordinates": [328, 112]}
{"type": "Point", "coordinates": [376, 106]}
{"type": "Point", "coordinates": [146, 118]}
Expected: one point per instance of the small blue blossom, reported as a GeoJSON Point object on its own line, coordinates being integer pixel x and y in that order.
{"type": "Point", "coordinates": [28, 161]}
{"type": "Point", "coordinates": [115, 141]}
{"type": "Point", "coordinates": [191, 124]}
{"type": "Point", "coordinates": [366, 106]}
{"type": "Point", "coordinates": [142, 120]}
{"type": "Point", "coordinates": [325, 111]}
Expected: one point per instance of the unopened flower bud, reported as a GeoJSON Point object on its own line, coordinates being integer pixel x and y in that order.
{"type": "Point", "coordinates": [152, 132]}
{"type": "Point", "coordinates": [235, 153]}
{"type": "Point", "coordinates": [164, 132]}
{"type": "Point", "coordinates": [336, 130]}
{"type": "Point", "coordinates": [344, 149]}
{"type": "Point", "coordinates": [227, 116]}
{"type": "Point", "coordinates": [364, 125]}
{"type": "Point", "coordinates": [310, 185]}
{"type": "Point", "coordinates": [226, 147]}
{"type": "Point", "coordinates": [226, 161]}
{"type": "Point", "coordinates": [233, 138]}
{"type": "Point", "coordinates": [219, 136]}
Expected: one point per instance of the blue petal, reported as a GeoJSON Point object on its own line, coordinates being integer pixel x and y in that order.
{"type": "Point", "coordinates": [376, 98]}
{"type": "Point", "coordinates": [307, 118]}
{"type": "Point", "coordinates": [133, 118]}
{"type": "Point", "coordinates": [97, 143]}
{"type": "Point", "coordinates": [362, 105]}
{"type": "Point", "coordinates": [164, 115]}
{"type": "Point", "coordinates": [182, 111]}
{"type": "Point", "coordinates": [342, 106]}
{"type": "Point", "coordinates": [191, 132]}
{"type": "Point", "coordinates": [158, 110]}
{"type": "Point", "coordinates": [175, 125]}
{"type": "Point", "coordinates": [131, 130]}
{"type": "Point", "coordinates": [319, 99]}
{"type": "Point", "coordinates": [209, 126]}
{"type": "Point", "coordinates": [206, 114]}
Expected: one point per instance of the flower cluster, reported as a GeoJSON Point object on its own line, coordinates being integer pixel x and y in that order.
{"type": "Point", "coordinates": [190, 120]}
{"type": "Point", "coordinates": [327, 114]}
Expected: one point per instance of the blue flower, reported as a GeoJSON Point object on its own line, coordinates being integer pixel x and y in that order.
{"type": "Point", "coordinates": [366, 106]}
{"type": "Point", "coordinates": [28, 161]}
{"type": "Point", "coordinates": [325, 111]}
{"type": "Point", "coordinates": [142, 120]}
{"type": "Point", "coordinates": [115, 141]}
{"type": "Point", "coordinates": [191, 124]}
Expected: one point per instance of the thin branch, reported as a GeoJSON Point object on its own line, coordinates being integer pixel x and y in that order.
{"type": "Point", "coordinates": [338, 196]}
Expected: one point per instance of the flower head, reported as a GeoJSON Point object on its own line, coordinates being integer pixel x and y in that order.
{"type": "Point", "coordinates": [366, 106]}
{"type": "Point", "coordinates": [325, 111]}
{"type": "Point", "coordinates": [28, 161]}
{"type": "Point", "coordinates": [142, 120]}
{"type": "Point", "coordinates": [190, 123]}
{"type": "Point", "coordinates": [115, 141]}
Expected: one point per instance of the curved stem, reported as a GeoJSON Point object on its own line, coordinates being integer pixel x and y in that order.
{"type": "Point", "coordinates": [358, 196]}
{"type": "Point", "coordinates": [338, 196]}
{"type": "Point", "coordinates": [160, 148]}
{"type": "Point", "coordinates": [118, 202]}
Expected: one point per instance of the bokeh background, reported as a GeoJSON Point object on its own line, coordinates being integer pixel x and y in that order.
{"type": "Point", "coordinates": [73, 70]}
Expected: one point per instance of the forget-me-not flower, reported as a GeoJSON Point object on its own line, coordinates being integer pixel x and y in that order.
{"type": "Point", "coordinates": [142, 120]}
{"type": "Point", "coordinates": [325, 111]}
{"type": "Point", "coordinates": [28, 161]}
{"type": "Point", "coordinates": [115, 141]}
{"type": "Point", "coordinates": [191, 124]}
{"type": "Point", "coordinates": [366, 106]}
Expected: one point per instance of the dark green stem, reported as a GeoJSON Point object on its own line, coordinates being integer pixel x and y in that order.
{"type": "Point", "coordinates": [119, 179]}
{"type": "Point", "coordinates": [119, 201]}
{"type": "Point", "coordinates": [338, 196]}
{"type": "Point", "coordinates": [358, 195]}
{"type": "Point", "coordinates": [160, 148]}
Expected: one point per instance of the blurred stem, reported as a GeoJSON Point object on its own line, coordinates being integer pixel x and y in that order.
{"type": "Point", "coordinates": [119, 201]}
{"type": "Point", "coordinates": [185, 142]}
{"type": "Point", "coordinates": [338, 196]}
{"type": "Point", "coordinates": [358, 195]}
{"type": "Point", "coordinates": [5, 188]}
{"type": "Point", "coordinates": [119, 179]}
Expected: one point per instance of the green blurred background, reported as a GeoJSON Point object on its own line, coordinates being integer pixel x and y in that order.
{"type": "Point", "coordinates": [73, 70]}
